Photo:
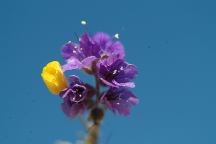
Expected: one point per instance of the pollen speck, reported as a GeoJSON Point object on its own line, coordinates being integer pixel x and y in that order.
{"type": "Point", "coordinates": [83, 22]}
{"type": "Point", "coordinates": [115, 71]}
{"type": "Point", "coordinates": [117, 35]}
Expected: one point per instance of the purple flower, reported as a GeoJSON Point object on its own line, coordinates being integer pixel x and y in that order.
{"type": "Point", "coordinates": [119, 100]}
{"type": "Point", "coordinates": [90, 48]}
{"type": "Point", "coordinates": [108, 46]}
{"type": "Point", "coordinates": [76, 56]}
{"type": "Point", "coordinates": [74, 97]}
{"type": "Point", "coordinates": [116, 72]}
{"type": "Point", "coordinates": [82, 55]}
{"type": "Point", "coordinates": [101, 56]}
{"type": "Point", "coordinates": [72, 109]}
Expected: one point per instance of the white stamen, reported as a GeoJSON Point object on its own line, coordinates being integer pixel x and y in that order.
{"type": "Point", "coordinates": [118, 103]}
{"type": "Point", "coordinates": [74, 51]}
{"type": "Point", "coordinates": [83, 22]}
{"type": "Point", "coordinates": [75, 46]}
{"type": "Point", "coordinates": [81, 48]}
{"type": "Point", "coordinates": [115, 71]}
{"type": "Point", "coordinates": [117, 35]}
{"type": "Point", "coordinates": [121, 68]}
{"type": "Point", "coordinates": [69, 41]}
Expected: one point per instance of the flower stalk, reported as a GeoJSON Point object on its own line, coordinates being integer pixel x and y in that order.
{"type": "Point", "coordinates": [96, 116]}
{"type": "Point", "coordinates": [93, 134]}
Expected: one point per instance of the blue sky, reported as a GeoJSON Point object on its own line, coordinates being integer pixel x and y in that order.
{"type": "Point", "coordinates": [172, 42]}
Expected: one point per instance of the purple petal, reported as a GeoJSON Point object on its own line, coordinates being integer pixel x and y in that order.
{"type": "Point", "coordinates": [130, 71]}
{"type": "Point", "coordinates": [118, 64]}
{"type": "Point", "coordinates": [116, 48]}
{"type": "Point", "coordinates": [133, 100]}
{"type": "Point", "coordinates": [71, 50]}
{"type": "Point", "coordinates": [116, 72]}
{"type": "Point", "coordinates": [127, 74]}
{"type": "Point", "coordinates": [72, 63]}
{"type": "Point", "coordinates": [65, 93]}
{"type": "Point", "coordinates": [119, 100]}
{"type": "Point", "coordinates": [73, 79]}
{"type": "Point", "coordinates": [126, 84]}
{"type": "Point", "coordinates": [72, 109]}
{"type": "Point", "coordinates": [107, 46]}
{"type": "Point", "coordinates": [88, 46]}
{"type": "Point", "coordinates": [87, 62]}
{"type": "Point", "coordinates": [108, 83]}
{"type": "Point", "coordinates": [101, 39]}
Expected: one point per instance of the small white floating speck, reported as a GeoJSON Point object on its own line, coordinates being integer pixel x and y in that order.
{"type": "Point", "coordinates": [83, 22]}
{"type": "Point", "coordinates": [117, 35]}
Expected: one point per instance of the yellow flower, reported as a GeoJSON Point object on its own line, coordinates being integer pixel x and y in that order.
{"type": "Point", "coordinates": [53, 77]}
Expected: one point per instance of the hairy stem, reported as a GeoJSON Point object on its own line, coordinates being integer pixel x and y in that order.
{"type": "Point", "coordinates": [95, 115]}
{"type": "Point", "coordinates": [93, 133]}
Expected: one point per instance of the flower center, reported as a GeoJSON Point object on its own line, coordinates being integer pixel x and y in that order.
{"type": "Point", "coordinates": [112, 97]}
{"type": "Point", "coordinates": [78, 93]}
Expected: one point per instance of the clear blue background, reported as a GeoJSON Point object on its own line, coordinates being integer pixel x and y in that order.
{"type": "Point", "coordinates": [172, 42]}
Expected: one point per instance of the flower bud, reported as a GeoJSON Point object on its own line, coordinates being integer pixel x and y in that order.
{"type": "Point", "coordinates": [53, 77]}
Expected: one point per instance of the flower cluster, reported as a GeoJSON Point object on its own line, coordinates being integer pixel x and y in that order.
{"type": "Point", "coordinates": [103, 57]}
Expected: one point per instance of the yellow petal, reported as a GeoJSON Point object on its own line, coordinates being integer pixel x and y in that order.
{"type": "Point", "coordinates": [53, 77]}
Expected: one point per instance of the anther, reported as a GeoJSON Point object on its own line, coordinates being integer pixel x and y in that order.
{"type": "Point", "coordinates": [115, 71]}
